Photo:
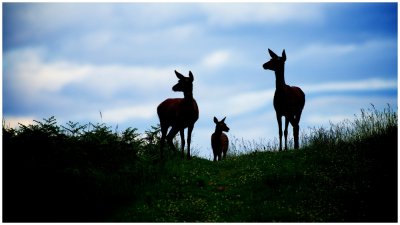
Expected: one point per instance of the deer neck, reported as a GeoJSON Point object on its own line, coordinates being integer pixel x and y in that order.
{"type": "Point", "coordinates": [218, 130]}
{"type": "Point", "coordinates": [188, 95]}
{"type": "Point", "coordinates": [280, 78]}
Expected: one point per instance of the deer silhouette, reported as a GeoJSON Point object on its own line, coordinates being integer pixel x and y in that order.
{"type": "Point", "coordinates": [178, 113]}
{"type": "Point", "coordinates": [288, 100]}
{"type": "Point", "coordinates": [219, 140]}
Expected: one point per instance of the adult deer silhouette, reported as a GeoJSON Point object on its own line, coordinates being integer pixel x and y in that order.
{"type": "Point", "coordinates": [288, 100]}
{"type": "Point", "coordinates": [178, 113]}
{"type": "Point", "coordinates": [219, 140]}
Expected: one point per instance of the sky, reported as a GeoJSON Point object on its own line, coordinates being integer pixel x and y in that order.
{"type": "Point", "coordinates": [75, 60]}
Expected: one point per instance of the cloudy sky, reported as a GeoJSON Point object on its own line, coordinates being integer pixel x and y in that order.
{"type": "Point", "coordinates": [74, 60]}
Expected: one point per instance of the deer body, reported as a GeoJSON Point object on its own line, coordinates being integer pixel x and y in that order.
{"type": "Point", "coordinates": [219, 140]}
{"type": "Point", "coordinates": [288, 100]}
{"type": "Point", "coordinates": [178, 113]}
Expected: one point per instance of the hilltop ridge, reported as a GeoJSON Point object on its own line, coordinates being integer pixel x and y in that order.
{"type": "Point", "coordinates": [76, 173]}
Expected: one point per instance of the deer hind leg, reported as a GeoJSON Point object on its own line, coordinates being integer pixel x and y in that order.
{"type": "Point", "coordinates": [296, 135]}
{"type": "Point", "coordinates": [182, 134]}
{"type": "Point", "coordinates": [164, 129]}
{"type": "Point", "coordinates": [170, 137]}
{"type": "Point", "coordinates": [219, 154]}
{"type": "Point", "coordinates": [286, 131]}
{"type": "Point", "coordinates": [279, 119]}
{"type": "Point", "coordinates": [296, 129]}
{"type": "Point", "coordinates": [189, 139]}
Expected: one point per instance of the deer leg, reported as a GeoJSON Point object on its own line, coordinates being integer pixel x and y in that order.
{"type": "Point", "coordinates": [296, 136]}
{"type": "Point", "coordinates": [296, 129]}
{"type": "Point", "coordinates": [170, 137]}
{"type": "Point", "coordinates": [189, 139]}
{"type": "Point", "coordinates": [164, 130]}
{"type": "Point", "coordinates": [279, 118]}
{"type": "Point", "coordinates": [286, 131]}
{"type": "Point", "coordinates": [182, 133]}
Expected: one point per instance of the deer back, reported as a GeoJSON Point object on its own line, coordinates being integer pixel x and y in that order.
{"type": "Point", "coordinates": [178, 111]}
{"type": "Point", "coordinates": [289, 100]}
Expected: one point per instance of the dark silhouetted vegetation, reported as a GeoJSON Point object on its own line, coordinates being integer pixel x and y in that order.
{"type": "Point", "coordinates": [74, 172]}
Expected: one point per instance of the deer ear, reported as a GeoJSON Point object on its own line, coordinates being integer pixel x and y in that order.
{"type": "Point", "coordinates": [284, 55]}
{"type": "Point", "coordinates": [223, 120]}
{"type": "Point", "coordinates": [178, 75]}
{"type": "Point", "coordinates": [272, 54]}
{"type": "Point", "coordinates": [215, 120]}
{"type": "Point", "coordinates": [191, 76]}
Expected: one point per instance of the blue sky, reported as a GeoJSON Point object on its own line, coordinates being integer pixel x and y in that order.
{"type": "Point", "coordinates": [73, 60]}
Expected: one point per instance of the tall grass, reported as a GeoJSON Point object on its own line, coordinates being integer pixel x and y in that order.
{"type": "Point", "coordinates": [371, 122]}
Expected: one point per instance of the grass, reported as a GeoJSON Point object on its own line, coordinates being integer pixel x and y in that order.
{"type": "Point", "coordinates": [344, 173]}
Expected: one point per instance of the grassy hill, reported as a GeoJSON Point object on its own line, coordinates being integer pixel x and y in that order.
{"type": "Point", "coordinates": [347, 172]}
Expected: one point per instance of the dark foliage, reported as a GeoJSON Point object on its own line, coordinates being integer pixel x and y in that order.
{"type": "Point", "coordinates": [73, 172]}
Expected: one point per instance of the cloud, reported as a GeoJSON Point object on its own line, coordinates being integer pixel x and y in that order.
{"type": "Point", "coordinates": [14, 121]}
{"type": "Point", "coordinates": [216, 59]}
{"type": "Point", "coordinates": [229, 15]}
{"type": "Point", "coordinates": [126, 113]}
{"type": "Point", "coordinates": [249, 101]}
{"type": "Point", "coordinates": [44, 88]}
{"type": "Point", "coordinates": [371, 84]}
{"type": "Point", "coordinates": [319, 111]}
{"type": "Point", "coordinates": [319, 51]}
{"type": "Point", "coordinates": [28, 73]}
{"type": "Point", "coordinates": [237, 103]}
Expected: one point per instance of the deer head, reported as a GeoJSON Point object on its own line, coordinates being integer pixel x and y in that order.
{"type": "Point", "coordinates": [276, 62]}
{"type": "Point", "coordinates": [220, 125]}
{"type": "Point", "coordinates": [185, 84]}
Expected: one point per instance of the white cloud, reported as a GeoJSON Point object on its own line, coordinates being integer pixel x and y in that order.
{"type": "Point", "coordinates": [318, 51]}
{"type": "Point", "coordinates": [232, 102]}
{"type": "Point", "coordinates": [249, 101]}
{"type": "Point", "coordinates": [358, 85]}
{"type": "Point", "coordinates": [229, 101]}
{"type": "Point", "coordinates": [229, 15]}
{"type": "Point", "coordinates": [30, 75]}
{"type": "Point", "coordinates": [123, 114]}
{"type": "Point", "coordinates": [323, 119]}
{"type": "Point", "coordinates": [216, 59]}
{"type": "Point", "coordinates": [14, 121]}
{"type": "Point", "coordinates": [322, 110]}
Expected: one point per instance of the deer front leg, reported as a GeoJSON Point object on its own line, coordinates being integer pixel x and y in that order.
{"type": "Point", "coordinates": [182, 133]}
{"type": "Point", "coordinates": [286, 131]}
{"type": "Point", "coordinates": [279, 118]}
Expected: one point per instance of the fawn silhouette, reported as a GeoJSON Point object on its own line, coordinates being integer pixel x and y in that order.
{"type": "Point", "coordinates": [288, 100]}
{"type": "Point", "coordinates": [219, 140]}
{"type": "Point", "coordinates": [178, 113]}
